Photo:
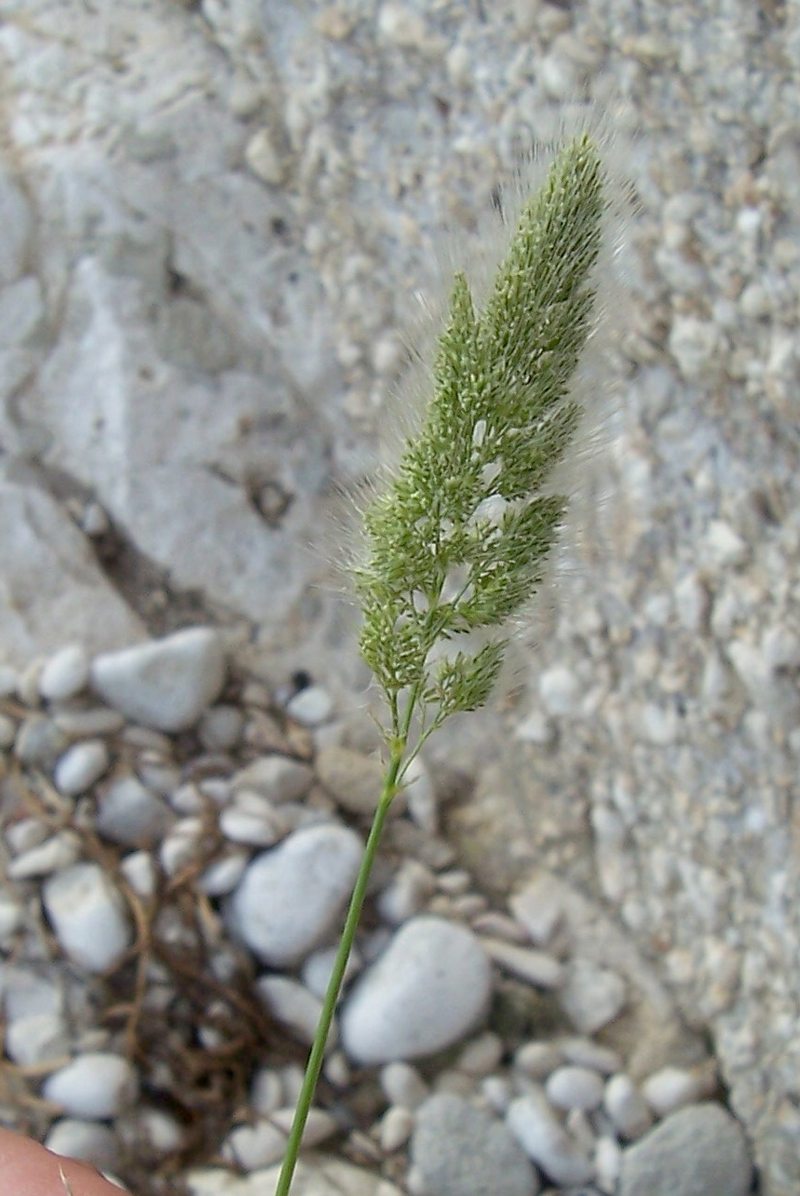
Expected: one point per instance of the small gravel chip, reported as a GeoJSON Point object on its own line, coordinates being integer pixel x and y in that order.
{"type": "Point", "coordinates": [592, 996]}
{"type": "Point", "coordinates": [671, 1088]}
{"type": "Point", "coordinates": [535, 967]}
{"type": "Point", "coordinates": [545, 1141]}
{"type": "Point", "coordinates": [293, 1005]}
{"type": "Point", "coordinates": [85, 1140]}
{"type": "Point", "coordinates": [627, 1107]}
{"type": "Point", "coordinates": [279, 778]}
{"type": "Point", "coordinates": [403, 1085]}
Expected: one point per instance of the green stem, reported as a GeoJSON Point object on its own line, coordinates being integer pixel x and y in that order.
{"type": "Point", "coordinates": [317, 1054]}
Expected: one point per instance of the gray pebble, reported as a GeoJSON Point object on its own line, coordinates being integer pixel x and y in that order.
{"type": "Point", "coordinates": [458, 1150]}
{"type": "Point", "coordinates": [165, 684]}
{"type": "Point", "coordinates": [698, 1151]}
{"type": "Point", "coordinates": [95, 1085]}
{"type": "Point", "coordinates": [220, 728]}
{"type": "Point", "coordinates": [279, 778]}
{"type": "Point", "coordinates": [88, 916]}
{"type": "Point", "coordinates": [88, 1141]}
{"type": "Point", "coordinates": [39, 742]}
{"type": "Point", "coordinates": [592, 996]}
{"type": "Point", "coordinates": [626, 1107]}
{"type": "Point", "coordinates": [128, 813]}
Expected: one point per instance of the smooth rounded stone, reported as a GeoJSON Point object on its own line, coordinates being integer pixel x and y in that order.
{"type": "Point", "coordinates": [458, 1150]}
{"type": "Point", "coordinates": [537, 1059]}
{"type": "Point", "coordinates": [592, 996]}
{"type": "Point", "coordinates": [85, 1140]}
{"type": "Point", "coordinates": [9, 681]}
{"type": "Point", "coordinates": [607, 1162]}
{"type": "Point", "coordinates": [145, 1124]}
{"type": "Point", "coordinates": [535, 967]}
{"type": "Point", "coordinates": [671, 1088]}
{"type": "Point", "coordinates": [65, 674]}
{"type": "Point", "coordinates": [482, 1055]}
{"type": "Point", "coordinates": [311, 706]}
{"type": "Point", "coordinates": [293, 1005]}
{"type": "Point", "coordinates": [180, 846]}
{"type": "Point", "coordinates": [80, 766]}
{"type": "Point", "coordinates": [266, 1091]}
{"type": "Point", "coordinates": [698, 1151]}
{"type": "Point", "coordinates": [39, 742]}
{"type": "Point", "coordinates": [165, 684]}
{"type": "Point", "coordinates": [544, 1139]}
{"type": "Point", "coordinates": [427, 991]}
{"type": "Point", "coordinates": [220, 728]}
{"type": "Point", "coordinates": [36, 1038]}
{"type": "Point", "coordinates": [352, 779]}
{"type": "Point", "coordinates": [395, 1128]}
{"type": "Point", "coordinates": [139, 869]}
{"type": "Point", "coordinates": [574, 1088]}
{"type": "Point", "coordinates": [402, 1084]}
{"type": "Point", "coordinates": [255, 830]}
{"type": "Point", "coordinates": [290, 898]}
{"type": "Point", "coordinates": [496, 1090]}
{"type": "Point", "coordinates": [89, 724]}
{"type": "Point", "coordinates": [129, 814]}
{"type": "Point", "coordinates": [223, 875]}
{"type": "Point", "coordinates": [279, 778]}
{"type": "Point", "coordinates": [626, 1107]}
{"type": "Point", "coordinates": [88, 916]}
{"type": "Point", "coordinates": [585, 1053]}
{"type": "Point", "coordinates": [46, 858]}
{"type": "Point", "coordinates": [264, 1141]}
{"type": "Point", "coordinates": [96, 1085]}
{"type": "Point", "coordinates": [26, 833]}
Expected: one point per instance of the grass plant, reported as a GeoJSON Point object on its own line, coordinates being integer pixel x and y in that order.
{"type": "Point", "coordinates": [457, 543]}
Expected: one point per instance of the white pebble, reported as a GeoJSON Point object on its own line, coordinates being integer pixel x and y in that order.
{"type": "Point", "coordinates": [607, 1162]}
{"type": "Point", "coordinates": [291, 897]}
{"type": "Point", "coordinates": [8, 731]}
{"type": "Point", "coordinates": [266, 1091]}
{"type": "Point", "coordinates": [537, 1059]}
{"type": "Point", "coordinates": [255, 830]}
{"type": "Point", "coordinates": [165, 684]}
{"type": "Point", "coordinates": [279, 778]}
{"type": "Point", "coordinates": [395, 1128]}
{"type": "Point", "coordinates": [481, 1056]}
{"type": "Point", "coordinates": [311, 706]}
{"type": "Point", "coordinates": [403, 1085]}
{"type": "Point", "coordinates": [530, 965]}
{"type": "Point", "coordinates": [626, 1107]}
{"type": "Point", "coordinates": [407, 893]}
{"type": "Point", "coordinates": [293, 1005]}
{"type": "Point", "coordinates": [80, 766]}
{"type": "Point", "coordinates": [139, 870]}
{"type": "Point", "coordinates": [254, 1146]}
{"type": "Point", "coordinates": [546, 1142]}
{"type": "Point", "coordinates": [592, 996]}
{"type": "Point", "coordinates": [671, 1088]}
{"type": "Point", "coordinates": [88, 916]}
{"type": "Point", "coordinates": [583, 1052]}
{"type": "Point", "coordinates": [428, 990]}
{"type": "Point", "coordinates": [223, 875]}
{"type": "Point", "coordinates": [158, 1129]}
{"type": "Point", "coordinates": [181, 845]}
{"type": "Point", "coordinates": [496, 1091]}
{"type": "Point", "coordinates": [96, 1085]}
{"type": "Point", "coordinates": [539, 909]}
{"type": "Point", "coordinates": [220, 728]}
{"type": "Point", "coordinates": [574, 1088]}
{"type": "Point", "coordinates": [85, 1140]}
{"type": "Point", "coordinates": [65, 674]}
{"type": "Point", "coordinates": [36, 1038]}
{"type": "Point", "coordinates": [49, 857]}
